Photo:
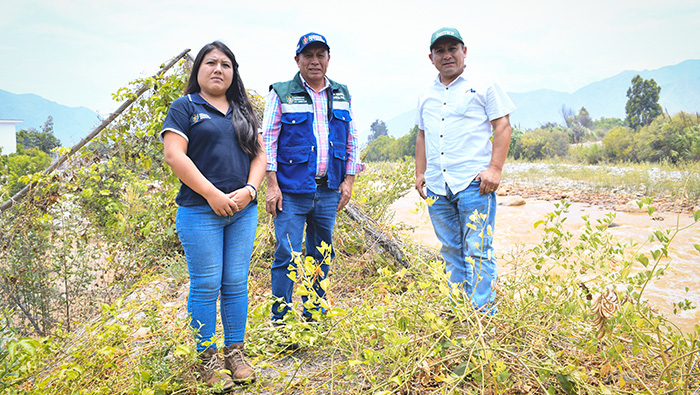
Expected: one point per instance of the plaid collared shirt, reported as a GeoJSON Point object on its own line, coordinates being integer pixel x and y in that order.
{"type": "Point", "coordinates": [272, 121]}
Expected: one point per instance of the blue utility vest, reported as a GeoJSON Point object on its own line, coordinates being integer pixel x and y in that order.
{"type": "Point", "coordinates": [297, 145]}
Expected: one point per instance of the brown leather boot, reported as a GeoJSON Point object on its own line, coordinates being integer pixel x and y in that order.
{"type": "Point", "coordinates": [236, 362]}
{"type": "Point", "coordinates": [212, 370]}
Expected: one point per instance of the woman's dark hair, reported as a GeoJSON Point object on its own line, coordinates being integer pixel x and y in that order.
{"type": "Point", "coordinates": [245, 123]}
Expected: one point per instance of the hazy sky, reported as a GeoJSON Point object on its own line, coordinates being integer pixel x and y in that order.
{"type": "Point", "coordinates": [78, 53]}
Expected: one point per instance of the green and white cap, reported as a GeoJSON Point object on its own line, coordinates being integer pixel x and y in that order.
{"type": "Point", "coordinates": [445, 32]}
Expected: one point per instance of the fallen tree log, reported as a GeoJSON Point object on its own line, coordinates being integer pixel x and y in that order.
{"type": "Point", "coordinates": [390, 243]}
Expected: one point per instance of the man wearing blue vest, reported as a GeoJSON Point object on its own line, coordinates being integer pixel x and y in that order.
{"type": "Point", "coordinates": [463, 140]}
{"type": "Point", "coordinates": [312, 158]}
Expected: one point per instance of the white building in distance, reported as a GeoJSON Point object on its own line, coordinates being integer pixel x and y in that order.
{"type": "Point", "coordinates": [8, 136]}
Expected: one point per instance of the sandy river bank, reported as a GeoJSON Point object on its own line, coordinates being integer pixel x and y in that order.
{"type": "Point", "coordinates": [515, 232]}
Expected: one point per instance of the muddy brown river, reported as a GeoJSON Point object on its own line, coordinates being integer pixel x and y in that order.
{"type": "Point", "coordinates": [515, 232]}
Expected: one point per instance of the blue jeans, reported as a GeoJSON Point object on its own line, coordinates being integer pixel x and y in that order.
{"type": "Point", "coordinates": [218, 251]}
{"type": "Point", "coordinates": [317, 211]}
{"type": "Point", "coordinates": [469, 257]}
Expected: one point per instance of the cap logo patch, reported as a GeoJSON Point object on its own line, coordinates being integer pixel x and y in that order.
{"type": "Point", "coordinates": [313, 37]}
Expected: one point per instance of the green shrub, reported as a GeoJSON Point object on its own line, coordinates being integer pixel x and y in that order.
{"type": "Point", "coordinates": [542, 143]}
{"type": "Point", "coordinates": [20, 164]}
{"type": "Point", "coordinates": [618, 143]}
{"type": "Point", "coordinates": [671, 139]}
{"type": "Point", "coordinates": [590, 153]}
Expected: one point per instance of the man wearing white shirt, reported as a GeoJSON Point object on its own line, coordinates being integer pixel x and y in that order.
{"type": "Point", "coordinates": [458, 165]}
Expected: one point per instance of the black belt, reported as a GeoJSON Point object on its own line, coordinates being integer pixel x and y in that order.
{"type": "Point", "coordinates": [322, 181]}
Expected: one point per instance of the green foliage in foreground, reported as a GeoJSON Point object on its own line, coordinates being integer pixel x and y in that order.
{"type": "Point", "coordinates": [572, 319]}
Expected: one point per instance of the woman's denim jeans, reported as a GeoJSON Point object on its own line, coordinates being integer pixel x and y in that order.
{"type": "Point", "coordinates": [218, 251]}
{"type": "Point", "coordinates": [317, 211]}
{"type": "Point", "coordinates": [465, 239]}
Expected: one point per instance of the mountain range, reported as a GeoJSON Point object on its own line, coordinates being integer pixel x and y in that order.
{"type": "Point", "coordinates": [70, 124]}
{"type": "Point", "coordinates": [680, 91]}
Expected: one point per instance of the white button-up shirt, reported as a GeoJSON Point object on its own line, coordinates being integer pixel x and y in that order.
{"type": "Point", "coordinates": [456, 120]}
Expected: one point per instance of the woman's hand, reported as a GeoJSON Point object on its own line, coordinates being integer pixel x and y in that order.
{"type": "Point", "coordinates": [222, 204]}
{"type": "Point", "coordinates": [241, 198]}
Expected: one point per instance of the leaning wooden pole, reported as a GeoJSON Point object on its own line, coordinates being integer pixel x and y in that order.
{"type": "Point", "coordinates": [60, 160]}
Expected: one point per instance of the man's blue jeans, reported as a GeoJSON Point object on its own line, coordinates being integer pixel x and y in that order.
{"type": "Point", "coordinates": [218, 251]}
{"type": "Point", "coordinates": [317, 211]}
{"type": "Point", "coordinates": [467, 249]}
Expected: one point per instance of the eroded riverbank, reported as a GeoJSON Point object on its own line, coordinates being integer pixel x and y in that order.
{"type": "Point", "coordinates": [515, 233]}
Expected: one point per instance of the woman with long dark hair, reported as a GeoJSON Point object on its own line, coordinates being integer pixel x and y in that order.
{"type": "Point", "coordinates": [211, 142]}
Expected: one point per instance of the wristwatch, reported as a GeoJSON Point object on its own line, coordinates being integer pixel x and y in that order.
{"type": "Point", "coordinates": [252, 191]}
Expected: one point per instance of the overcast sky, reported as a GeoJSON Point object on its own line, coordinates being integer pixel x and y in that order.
{"type": "Point", "coordinates": [78, 53]}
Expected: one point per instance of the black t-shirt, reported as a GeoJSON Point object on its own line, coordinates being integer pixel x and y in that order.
{"type": "Point", "coordinates": [211, 144]}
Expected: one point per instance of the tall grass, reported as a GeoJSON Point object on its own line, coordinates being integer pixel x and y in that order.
{"type": "Point", "coordinates": [397, 330]}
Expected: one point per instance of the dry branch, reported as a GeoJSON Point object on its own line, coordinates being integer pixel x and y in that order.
{"type": "Point", "coordinates": [386, 240]}
{"type": "Point", "coordinates": [60, 160]}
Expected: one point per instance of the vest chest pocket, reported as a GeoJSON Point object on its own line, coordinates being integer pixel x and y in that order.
{"type": "Point", "coordinates": [294, 118]}
{"type": "Point", "coordinates": [342, 115]}
{"type": "Point", "coordinates": [293, 156]}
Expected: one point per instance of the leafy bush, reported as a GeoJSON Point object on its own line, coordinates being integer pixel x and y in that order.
{"type": "Point", "coordinates": [618, 143]}
{"type": "Point", "coordinates": [18, 165]}
{"type": "Point", "coordinates": [542, 143]}
{"type": "Point", "coordinates": [671, 139]}
{"type": "Point", "coordinates": [589, 153]}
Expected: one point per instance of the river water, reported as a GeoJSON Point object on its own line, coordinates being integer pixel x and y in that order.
{"type": "Point", "coordinates": [515, 232]}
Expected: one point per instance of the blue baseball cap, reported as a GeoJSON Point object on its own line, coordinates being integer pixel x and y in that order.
{"type": "Point", "coordinates": [311, 38]}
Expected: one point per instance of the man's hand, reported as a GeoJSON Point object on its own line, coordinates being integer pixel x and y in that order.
{"type": "Point", "coordinates": [345, 191]}
{"type": "Point", "coordinates": [273, 198]}
{"type": "Point", "coordinates": [420, 185]}
{"type": "Point", "coordinates": [490, 180]}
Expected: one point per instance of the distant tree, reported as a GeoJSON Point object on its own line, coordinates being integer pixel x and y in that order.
{"type": "Point", "coordinates": [607, 123]}
{"type": "Point", "coordinates": [579, 125]}
{"type": "Point", "coordinates": [18, 164]}
{"type": "Point", "coordinates": [548, 125]}
{"type": "Point", "coordinates": [380, 149]}
{"type": "Point", "coordinates": [48, 125]}
{"type": "Point", "coordinates": [567, 114]}
{"type": "Point", "coordinates": [378, 128]}
{"type": "Point", "coordinates": [406, 144]}
{"type": "Point", "coordinates": [387, 148]}
{"type": "Point", "coordinates": [44, 140]}
{"type": "Point", "coordinates": [584, 118]}
{"type": "Point", "coordinates": [642, 102]}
